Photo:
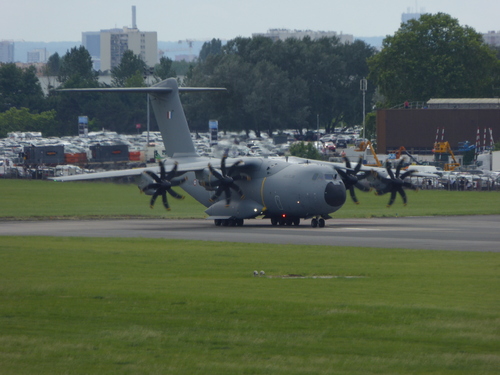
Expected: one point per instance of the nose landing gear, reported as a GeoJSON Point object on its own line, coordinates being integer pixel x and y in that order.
{"type": "Point", "coordinates": [318, 222]}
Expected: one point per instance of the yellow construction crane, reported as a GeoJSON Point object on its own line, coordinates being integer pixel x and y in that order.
{"type": "Point", "coordinates": [444, 148]}
{"type": "Point", "coordinates": [363, 146]}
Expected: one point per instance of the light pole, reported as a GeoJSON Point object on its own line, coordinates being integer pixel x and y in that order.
{"type": "Point", "coordinates": [147, 136]}
{"type": "Point", "coordinates": [363, 85]}
{"type": "Point", "coordinates": [317, 126]}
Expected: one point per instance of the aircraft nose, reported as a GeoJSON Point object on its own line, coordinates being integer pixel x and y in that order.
{"type": "Point", "coordinates": [335, 194]}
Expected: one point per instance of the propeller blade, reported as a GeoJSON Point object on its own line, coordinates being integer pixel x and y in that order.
{"type": "Point", "coordinates": [172, 173]}
{"type": "Point", "coordinates": [233, 167]}
{"type": "Point", "coordinates": [389, 171]}
{"type": "Point", "coordinates": [223, 164]}
{"type": "Point", "coordinates": [403, 194]}
{"type": "Point", "coordinates": [153, 198]}
{"type": "Point", "coordinates": [358, 166]}
{"type": "Point", "coordinates": [237, 189]}
{"type": "Point", "coordinates": [343, 175]}
{"type": "Point", "coordinates": [162, 170]}
{"type": "Point", "coordinates": [393, 198]}
{"type": "Point", "coordinates": [227, 191]}
{"type": "Point", "coordinates": [216, 174]}
{"type": "Point", "coordinates": [217, 193]}
{"type": "Point", "coordinates": [165, 201]}
{"type": "Point", "coordinates": [353, 195]}
{"type": "Point", "coordinates": [179, 182]}
{"type": "Point", "coordinates": [407, 174]}
{"type": "Point", "coordinates": [398, 167]}
{"type": "Point", "coordinates": [347, 162]}
{"type": "Point", "coordinates": [175, 194]}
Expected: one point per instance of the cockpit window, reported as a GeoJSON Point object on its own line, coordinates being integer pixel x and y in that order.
{"type": "Point", "coordinates": [315, 177]}
{"type": "Point", "coordinates": [329, 176]}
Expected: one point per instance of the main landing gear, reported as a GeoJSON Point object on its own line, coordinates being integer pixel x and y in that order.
{"type": "Point", "coordinates": [229, 222]}
{"type": "Point", "coordinates": [289, 221]}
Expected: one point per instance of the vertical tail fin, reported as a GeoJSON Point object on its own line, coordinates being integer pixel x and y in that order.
{"type": "Point", "coordinates": [168, 112]}
{"type": "Point", "coordinates": [172, 120]}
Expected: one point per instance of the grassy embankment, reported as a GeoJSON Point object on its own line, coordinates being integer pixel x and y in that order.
{"type": "Point", "coordinates": [45, 199]}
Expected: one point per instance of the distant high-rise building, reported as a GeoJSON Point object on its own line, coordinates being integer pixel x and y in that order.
{"type": "Point", "coordinates": [283, 34]}
{"type": "Point", "coordinates": [6, 51]}
{"type": "Point", "coordinates": [492, 38]}
{"type": "Point", "coordinates": [91, 40]}
{"type": "Point", "coordinates": [116, 41]}
{"type": "Point", "coordinates": [409, 15]}
{"type": "Point", "coordinates": [38, 55]}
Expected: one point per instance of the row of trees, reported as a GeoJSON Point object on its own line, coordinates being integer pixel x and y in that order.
{"type": "Point", "coordinates": [20, 90]}
{"type": "Point", "coordinates": [272, 86]}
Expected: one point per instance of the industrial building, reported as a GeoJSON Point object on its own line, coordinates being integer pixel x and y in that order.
{"type": "Point", "coordinates": [416, 128]}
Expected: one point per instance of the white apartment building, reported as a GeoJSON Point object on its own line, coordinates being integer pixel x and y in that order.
{"type": "Point", "coordinates": [38, 55]}
{"type": "Point", "coordinates": [492, 38]}
{"type": "Point", "coordinates": [115, 42]}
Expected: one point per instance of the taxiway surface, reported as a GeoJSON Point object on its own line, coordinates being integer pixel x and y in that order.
{"type": "Point", "coordinates": [462, 233]}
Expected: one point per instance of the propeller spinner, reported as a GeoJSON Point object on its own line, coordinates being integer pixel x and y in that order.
{"type": "Point", "coordinates": [397, 182]}
{"type": "Point", "coordinates": [225, 181]}
{"type": "Point", "coordinates": [163, 185]}
{"type": "Point", "coordinates": [351, 178]}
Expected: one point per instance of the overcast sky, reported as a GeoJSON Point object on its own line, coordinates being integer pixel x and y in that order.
{"type": "Point", "coordinates": [64, 20]}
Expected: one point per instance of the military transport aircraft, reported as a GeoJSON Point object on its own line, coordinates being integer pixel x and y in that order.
{"type": "Point", "coordinates": [235, 189]}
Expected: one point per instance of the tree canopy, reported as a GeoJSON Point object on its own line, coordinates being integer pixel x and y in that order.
{"type": "Point", "coordinates": [76, 69]}
{"type": "Point", "coordinates": [131, 65]}
{"type": "Point", "coordinates": [434, 57]}
{"type": "Point", "coordinates": [19, 88]}
{"type": "Point", "coordinates": [282, 85]}
{"type": "Point", "coordinates": [15, 120]}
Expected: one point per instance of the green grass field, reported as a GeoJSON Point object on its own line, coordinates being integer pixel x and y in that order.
{"type": "Point", "coordinates": [139, 306]}
{"type": "Point", "coordinates": [142, 306]}
{"type": "Point", "coordinates": [46, 199]}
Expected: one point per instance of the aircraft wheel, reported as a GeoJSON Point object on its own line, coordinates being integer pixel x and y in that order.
{"type": "Point", "coordinates": [321, 223]}
{"type": "Point", "coordinates": [289, 221]}
{"type": "Point", "coordinates": [274, 221]}
{"type": "Point", "coordinates": [296, 221]}
{"type": "Point", "coordinates": [232, 222]}
{"type": "Point", "coordinates": [281, 221]}
{"type": "Point", "coordinates": [225, 222]}
{"type": "Point", "coordinates": [239, 222]}
{"type": "Point", "coordinates": [314, 223]}
{"type": "Point", "coordinates": [218, 222]}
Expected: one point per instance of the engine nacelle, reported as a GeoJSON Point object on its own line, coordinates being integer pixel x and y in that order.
{"type": "Point", "coordinates": [144, 181]}
{"type": "Point", "coordinates": [207, 179]}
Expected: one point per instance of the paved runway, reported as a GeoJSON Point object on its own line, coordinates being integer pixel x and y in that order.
{"type": "Point", "coordinates": [462, 233]}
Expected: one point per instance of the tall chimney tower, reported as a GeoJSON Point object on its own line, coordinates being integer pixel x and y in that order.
{"type": "Point", "coordinates": [134, 25]}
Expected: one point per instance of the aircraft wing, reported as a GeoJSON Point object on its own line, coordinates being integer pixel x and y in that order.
{"type": "Point", "coordinates": [190, 165]}
{"type": "Point", "coordinates": [107, 174]}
